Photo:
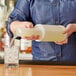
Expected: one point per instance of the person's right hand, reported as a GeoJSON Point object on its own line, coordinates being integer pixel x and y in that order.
{"type": "Point", "coordinates": [18, 24]}
{"type": "Point", "coordinates": [71, 28]}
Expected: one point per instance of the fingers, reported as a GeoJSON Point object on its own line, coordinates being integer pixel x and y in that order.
{"type": "Point", "coordinates": [32, 37]}
{"type": "Point", "coordinates": [69, 29]}
{"type": "Point", "coordinates": [28, 25]}
{"type": "Point", "coordinates": [62, 42]}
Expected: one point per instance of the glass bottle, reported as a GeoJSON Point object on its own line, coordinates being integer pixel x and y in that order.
{"type": "Point", "coordinates": [3, 12]}
{"type": "Point", "coordinates": [11, 7]}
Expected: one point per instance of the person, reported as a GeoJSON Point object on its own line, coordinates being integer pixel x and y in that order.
{"type": "Point", "coordinates": [28, 13]}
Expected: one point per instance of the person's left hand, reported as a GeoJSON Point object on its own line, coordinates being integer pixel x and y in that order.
{"type": "Point", "coordinates": [68, 30]}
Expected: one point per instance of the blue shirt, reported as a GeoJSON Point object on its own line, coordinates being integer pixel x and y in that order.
{"type": "Point", "coordinates": [51, 12]}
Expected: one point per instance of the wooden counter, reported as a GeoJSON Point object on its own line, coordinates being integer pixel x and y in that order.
{"type": "Point", "coordinates": [38, 70]}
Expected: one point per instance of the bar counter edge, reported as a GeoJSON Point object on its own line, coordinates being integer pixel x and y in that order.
{"type": "Point", "coordinates": [34, 62]}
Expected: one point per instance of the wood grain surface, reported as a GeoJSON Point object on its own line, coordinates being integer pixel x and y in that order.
{"type": "Point", "coordinates": [38, 70]}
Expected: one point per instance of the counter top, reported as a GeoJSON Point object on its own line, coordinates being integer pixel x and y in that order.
{"type": "Point", "coordinates": [38, 70]}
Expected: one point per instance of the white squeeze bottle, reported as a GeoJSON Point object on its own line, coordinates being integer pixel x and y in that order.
{"type": "Point", "coordinates": [46, 32]}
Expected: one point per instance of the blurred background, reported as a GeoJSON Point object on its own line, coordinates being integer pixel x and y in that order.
{"type": "Point", "coordinates": [6, 7]}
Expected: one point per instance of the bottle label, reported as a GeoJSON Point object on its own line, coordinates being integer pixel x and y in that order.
{"type": "Point", "coordinates": [23, 44]}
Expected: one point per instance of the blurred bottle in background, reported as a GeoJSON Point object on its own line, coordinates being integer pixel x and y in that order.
{"type": "Point", "coordinates": [3, 14]}
{"type": "Point", "coordinates": [11, 7]}
{"type": "Point", "coordinates": [26, 46]}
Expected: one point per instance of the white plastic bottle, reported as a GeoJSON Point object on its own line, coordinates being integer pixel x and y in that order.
{"type": "Point", "coordinates": [46, 32]}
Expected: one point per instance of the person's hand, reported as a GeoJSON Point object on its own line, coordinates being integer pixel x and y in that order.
{"type": "Point", "coordinates": [18, 24]}
{"type": "Point", "coordinates": [68, 30]}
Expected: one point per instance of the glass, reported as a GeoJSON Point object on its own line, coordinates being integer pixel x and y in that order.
{"type": "Point", "coordinates": [11, 56]}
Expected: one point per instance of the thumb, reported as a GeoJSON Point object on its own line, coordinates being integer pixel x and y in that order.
{"type": "Point", "coordinates": [67, 29]}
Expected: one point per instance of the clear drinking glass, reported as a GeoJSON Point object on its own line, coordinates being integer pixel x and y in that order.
{"type": "Point", "coordinates": [11, 56]}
